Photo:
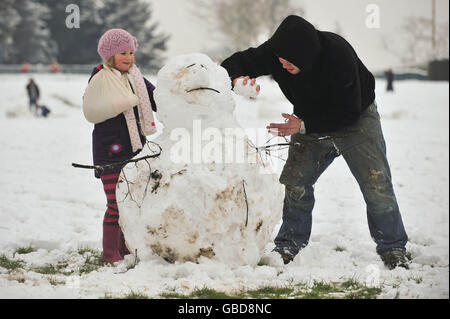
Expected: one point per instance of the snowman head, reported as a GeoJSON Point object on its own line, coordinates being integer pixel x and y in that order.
{"type": "Point", "coordinates": [193, 87]}
{"type": "Point", "coordinates": [192, 80]}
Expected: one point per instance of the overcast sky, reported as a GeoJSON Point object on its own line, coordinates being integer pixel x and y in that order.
{"type": "Point", "coordinates": [189, 34]}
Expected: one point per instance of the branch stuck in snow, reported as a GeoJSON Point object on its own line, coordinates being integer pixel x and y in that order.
{"type": "Point", "coordinates": [101, 168]}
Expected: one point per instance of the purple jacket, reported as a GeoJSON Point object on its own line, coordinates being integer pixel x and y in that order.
{"type": "Point", "coordinates": [111, 140]}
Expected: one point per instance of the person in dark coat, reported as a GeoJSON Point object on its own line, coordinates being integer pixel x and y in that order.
{"type": "Point", "coordinates": [335, 113]}
{"type": "Point", "coordinates": [44, 111]}
{"type": "Point", "coordinates": [33, 95]}
{"type": "Point", "coordinates": [390, 80]}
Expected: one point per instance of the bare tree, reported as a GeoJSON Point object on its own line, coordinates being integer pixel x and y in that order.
{"type": "Point", "coordinates": [272, 13]}
{"type": "Point", "coordinates": [241, 24]}
{"type": "Point", "coordinates": [413, 42]}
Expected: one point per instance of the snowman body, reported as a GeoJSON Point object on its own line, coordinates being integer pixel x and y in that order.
{"type": "Point", "coordinates": [208, 195]}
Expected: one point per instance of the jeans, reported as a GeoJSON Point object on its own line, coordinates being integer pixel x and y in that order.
{"type": "Point", "coordinates": [363, 147]}
{"type": "Point", "coordinates": [33, 103]}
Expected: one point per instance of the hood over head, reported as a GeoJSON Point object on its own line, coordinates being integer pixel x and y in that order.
{"type": "Point", "coordinates": [297, 41]}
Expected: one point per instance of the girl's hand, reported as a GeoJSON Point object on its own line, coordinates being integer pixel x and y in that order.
{"type": "Point", "coordinates": [292, 126]}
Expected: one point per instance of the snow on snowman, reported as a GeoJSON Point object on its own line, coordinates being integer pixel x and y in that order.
{"type": "Point", "coordinates": [198, 199]}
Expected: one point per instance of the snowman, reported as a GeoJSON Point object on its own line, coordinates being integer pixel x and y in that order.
{"type": "Point", "coordinates": [208, 195]}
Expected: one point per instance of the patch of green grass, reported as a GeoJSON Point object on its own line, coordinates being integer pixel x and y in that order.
{"type": "Point", "coordinates": [270, 292]}
{"type": "Point", "coordinates": [320, 290]}
{"type": "Point", "coordinates": [350, 284]}
{"type": "Point", "coordinates": [350, 289]}
{"type": "Point", "coordinates": [172, 295]}
{"type": "Point", "coordinates": [25, 250]}
{"type": "Point", "coordinates": [325, 288]}
{"type": "Point", "coordinates": [360, 291]}
{"type": "Point", "coordinates": [131, 295]}
{"type": "Point", "coordinates": [417, 279]}
{"type": "Point", "coordinates": [85, 250]}
{"type": "Point", "coordinates": [47, 269]}
{"type": "Point", "coordinates": [20, 280]}
{"type": "Point", "coordinates": [107, 296]}
{"type": "Point", "coordinates": [92, 262]}
{"type": "Point", "coordinates": [135, 295]}
{"type": "Point", "coordinates": [364, 293]}
{"type": "Point", "coordinates": [198, 293]}
{"type": "Point", "coordinates": [207, 293]}
{"type": "Point", "coordinates": [56, 282]}
{"type": "Point", "coordinates": [10, 264]}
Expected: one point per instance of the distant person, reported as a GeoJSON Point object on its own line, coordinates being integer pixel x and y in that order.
{"type": "Point", "coordinates": [390, 80]}
{"type": "Point", "coordinates": [44, 111]}
{"type": "Point", "coordinates": [33, 96]}
{"type": "Point", "coordinates": [335, 113]}
{"type": "Point", "coordinates": [120, 131]}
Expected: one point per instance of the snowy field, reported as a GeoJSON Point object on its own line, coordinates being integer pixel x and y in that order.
{"type": "Point", "coordinates": [58, 210]}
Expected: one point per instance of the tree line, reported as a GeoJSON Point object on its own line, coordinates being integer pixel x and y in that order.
{"type": "Point", "coordinates": [35, 31]}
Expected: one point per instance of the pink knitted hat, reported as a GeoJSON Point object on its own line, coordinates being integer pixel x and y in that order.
{"type": "Point", "coordinates": [115, 41]}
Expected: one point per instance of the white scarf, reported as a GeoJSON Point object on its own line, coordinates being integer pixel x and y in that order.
{"type": "Point", "coordinates": [146, 120]}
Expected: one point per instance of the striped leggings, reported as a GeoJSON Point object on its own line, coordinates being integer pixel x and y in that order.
{"type": "Point", "coordinates": [114, 248]}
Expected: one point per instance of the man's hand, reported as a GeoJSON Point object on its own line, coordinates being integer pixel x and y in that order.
{"type": "Point", "coordinates": [246, 80]}
{"type": "Point", "coordinates": [292, 126]}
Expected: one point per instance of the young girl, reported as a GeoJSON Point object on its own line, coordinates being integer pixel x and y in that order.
{"type": "Point", "coordinates": [117, 137]}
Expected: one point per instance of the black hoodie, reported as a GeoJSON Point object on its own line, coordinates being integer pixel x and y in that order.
{"type": "Point", "coordinates": [333, 87]}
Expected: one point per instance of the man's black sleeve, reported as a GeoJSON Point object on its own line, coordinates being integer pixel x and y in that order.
{"type": "Point", "coordinates": [253, 62]}
{"type": "Point", "coordinates": [345, 102]}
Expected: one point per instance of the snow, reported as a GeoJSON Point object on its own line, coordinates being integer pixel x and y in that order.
{"type": "Point", "coordinates": [47, 204]}
{"type": "Point", "coordinates": [249, 91]}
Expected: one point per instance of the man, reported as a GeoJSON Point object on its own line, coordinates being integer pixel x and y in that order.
{"type": "Point", "coordinates": [33, 95]}
{"type": "Point", "coordinates": [333, 95]}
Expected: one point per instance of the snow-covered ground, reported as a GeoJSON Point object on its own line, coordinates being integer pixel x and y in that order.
{"type": "Point", "coordinates": [57, 209]}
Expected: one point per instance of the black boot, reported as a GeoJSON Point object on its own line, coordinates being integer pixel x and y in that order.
{"type": "Point", "coordinates": [395, 257]}
{"type": "Point", "coordinates": [285, 253]}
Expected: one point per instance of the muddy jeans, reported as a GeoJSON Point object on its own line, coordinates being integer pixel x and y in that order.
{"type": "Point", "coordinates": [363, 147]}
